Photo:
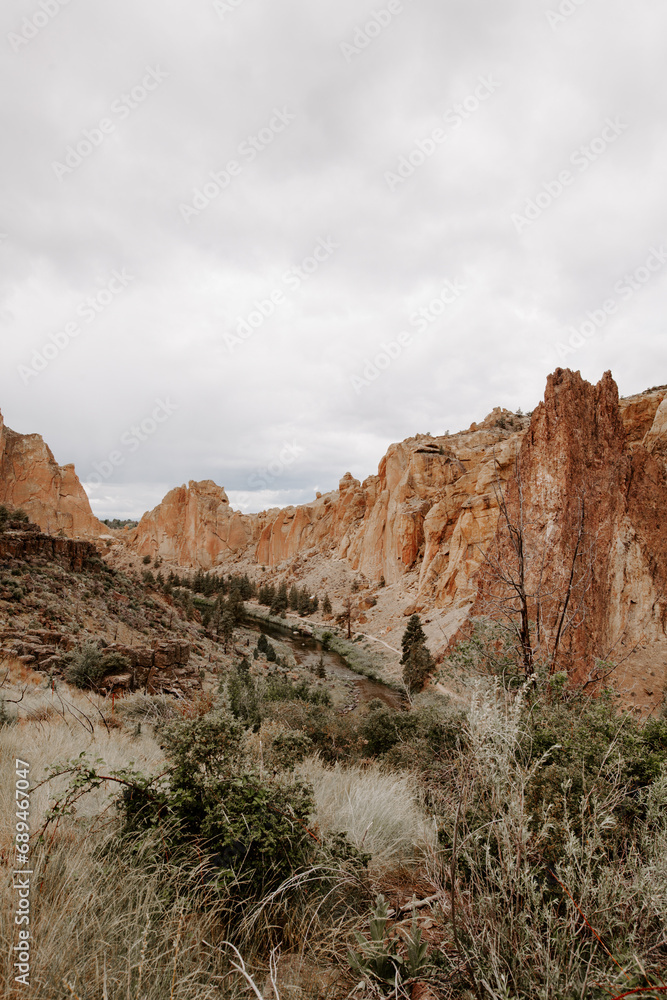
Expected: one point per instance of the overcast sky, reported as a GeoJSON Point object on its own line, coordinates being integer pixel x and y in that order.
{"type": "Point", "coordinates": [257, 241]}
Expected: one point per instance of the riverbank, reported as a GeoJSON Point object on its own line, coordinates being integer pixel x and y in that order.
{"type": "Point", "coordinates": [356, 657]}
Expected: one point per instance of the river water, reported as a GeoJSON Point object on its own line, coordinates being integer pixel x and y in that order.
{"type": "Point", "coordinates": [307, 653]}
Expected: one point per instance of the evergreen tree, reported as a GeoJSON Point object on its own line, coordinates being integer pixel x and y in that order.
{"type": "Point", "coordinates": [414, 633]}
{"type": "Point", "coordinates": [348, 615]}
{"type": "Point", "coordinates": [243, 701]}
{"type": "Point", "coordinates": [304, 602]}
{"type": "Point", "coordinates": [235, 605]}
{"type": "Point", "coordinates": [280, 601]}
{"type": "Point", "coordinates": [216, 616]}
{"type": "Point", "coordinates": [326, 606]}
{"type": "Point", "coordinates": [418, 666]}
{"type": "Point", "coordinates": [294, 598]}
{"type": "Point", "coordinates": [226, 629]}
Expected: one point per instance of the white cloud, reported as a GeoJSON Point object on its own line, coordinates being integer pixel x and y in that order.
{"type": "Point", "coordinates": [323, 176]}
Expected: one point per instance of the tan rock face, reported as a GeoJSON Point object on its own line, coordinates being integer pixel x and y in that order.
{"type": "Point", "coordinates": [432, 511]}
{"type": "Point", "coordinates": [193, 526]}
{"type": "Point", "coordinates": [429, 509]}
{"type": "Point", "coordinates": [50, 494]}
{"type": "Point", "coordinates": [591, 504]}
{"type": "Point", "coordinates": [592, 493]}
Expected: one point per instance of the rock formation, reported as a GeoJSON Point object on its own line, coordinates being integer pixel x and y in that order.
{"type": "Point", "coordinates": [432, 514]}
{"type": "Point", "coordinates": [430, 506]}
{"type": "Point", "coordinates": [592, 490]}
{"type": "Point", "coordinates": [32, 544]}
{"type": "Point", "coordinates": [193, 526]}
{"type": "Point", "coordinates": [588, 502]}
{"type": "Point", "coordinates": [50, 494]}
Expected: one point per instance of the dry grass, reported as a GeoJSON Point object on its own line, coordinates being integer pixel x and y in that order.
{"type": "Point", "coordinates": [113, 926]}
{"type": "Point", "coordinates": [118, 926]}
{"type": "Point", "coordinates": [56, 725]}
{"type": "Point", "coordinates": [382, 814]}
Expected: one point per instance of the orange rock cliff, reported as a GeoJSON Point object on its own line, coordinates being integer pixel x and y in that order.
{"type": "Point", "coordinates": [50, 494]}
{"type": "Point", "coordinates": [427, 519]}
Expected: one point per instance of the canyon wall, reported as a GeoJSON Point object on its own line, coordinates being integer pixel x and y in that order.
{"type": "Point", "coordinates": [194, 526]}
{"type": "Point", "coordinates": [590, 494]}
{"type": "Point", "coordinates": [588, 503]}
{"type": "Point", "coordinates": [50, 494]}
{"type": "Point", "coordinates": [430, 509]}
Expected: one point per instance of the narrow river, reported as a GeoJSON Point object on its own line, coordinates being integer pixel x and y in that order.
{"type": "Point", "coordinates": [307, 653]}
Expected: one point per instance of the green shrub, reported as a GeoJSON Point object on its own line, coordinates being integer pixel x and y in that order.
{"type": "Point", "coordinates": [282, 689]}
{"type": "Point", "coordinates": [380, 958]}
{"type": "Point", "coordinates": [253, 829]}
{"type": "Point", "coordinates": [242, 695]}
{"type": "Point", "coordinates": [584, 751]}
{"type": "Point", "coordinates": [86, 667]}
{"type": "Point", "coordinates": [289, 749]}
{"type": "Point", "coordinates": [408, 739]}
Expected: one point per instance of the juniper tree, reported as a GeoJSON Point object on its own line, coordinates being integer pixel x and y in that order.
{"type": "Point", "coordinates": [418, 665]}
{"type": "Point", "coordinates": [226, 627]}
{"type": "Point", "coordinates": [280, 602]}
{"type": "Point", "coordinates": [414, 633]}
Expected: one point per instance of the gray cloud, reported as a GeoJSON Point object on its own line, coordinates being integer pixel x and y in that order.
{"type": "Point", "coordinates": [356, 118]}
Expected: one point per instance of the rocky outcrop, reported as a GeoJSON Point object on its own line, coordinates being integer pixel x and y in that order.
{"type": "Point", "coordinates": [163, 667]}
{"type": "Point", "coordinates": [589, 503]}
{"type": "Point", "coordinates": [591, 490]}
{"type": "Point", "coordinates": [194, 526]}
{"type": "Point", "coordinates": [430, 507]}
{"type": "Point", "coordinates": [33, 546]}
{"type": "Point", "coordinates": [593, 474]}
{"type": "Point", "coordinates": [50, 494]}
